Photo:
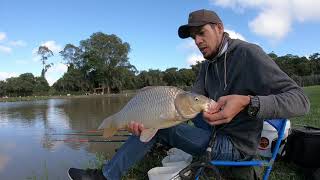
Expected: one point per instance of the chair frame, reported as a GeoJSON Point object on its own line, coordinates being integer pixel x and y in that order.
{"type": "Point", "coordinates": [262, 163]}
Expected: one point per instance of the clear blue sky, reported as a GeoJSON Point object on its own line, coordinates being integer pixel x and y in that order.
{"type": "Point", "coordinates": [149, 26]}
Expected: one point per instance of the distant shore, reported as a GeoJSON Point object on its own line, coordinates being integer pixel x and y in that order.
{"type": "Point", "coordinates": [36, 98]}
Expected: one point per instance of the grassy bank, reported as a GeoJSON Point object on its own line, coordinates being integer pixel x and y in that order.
{"type": "Point", "coordinates": [281, 170]}
{"type": "Point", "coordinates": [36, 98]}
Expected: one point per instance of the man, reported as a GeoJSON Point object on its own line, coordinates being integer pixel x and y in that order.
{"type": "Point", "coordinates": [248, 87]}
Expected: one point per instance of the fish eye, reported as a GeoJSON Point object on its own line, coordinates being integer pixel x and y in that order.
{"type": "Point", "coordinates": [196, 98]}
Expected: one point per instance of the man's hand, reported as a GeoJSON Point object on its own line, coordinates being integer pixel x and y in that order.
{"type": "Point", "coordinates": [226, 109]}
{"type": "Point", "coordinates": [135, 128]}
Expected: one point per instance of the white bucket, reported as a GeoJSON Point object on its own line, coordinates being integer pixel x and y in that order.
{"type": "Point", "coordinates": [269, 134]}
{"type": "Point", "coordinates": [163, 173]}
{"type": "Point", "coordinates": [173, 164]}
{"type": "Point", "coordinates": [177, 157]}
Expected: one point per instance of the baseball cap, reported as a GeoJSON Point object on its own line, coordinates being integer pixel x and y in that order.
{"type": "Point", "coordinates": [198, 18]}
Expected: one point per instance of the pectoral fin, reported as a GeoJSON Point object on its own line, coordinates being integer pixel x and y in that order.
{"type": "Point", "coordinates": [147, 134]}
{"type": "Point", "coordinates": [170, 117]}
{"type": "Point", "coordinates": [108, 132]}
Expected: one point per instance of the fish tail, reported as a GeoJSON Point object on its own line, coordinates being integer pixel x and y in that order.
{"type": "Point", "coordinates": [107, 126]}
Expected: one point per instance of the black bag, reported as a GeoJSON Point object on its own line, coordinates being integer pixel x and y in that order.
{"type": "Point", "coordinates": [303, 147]}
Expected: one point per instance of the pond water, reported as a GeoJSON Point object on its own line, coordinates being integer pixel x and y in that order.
{"type": "Point", "coordinates": [30, 134]}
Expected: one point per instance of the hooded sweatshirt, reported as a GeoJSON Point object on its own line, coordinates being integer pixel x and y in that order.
{"type": "Point", "coordinates": [243, 68]}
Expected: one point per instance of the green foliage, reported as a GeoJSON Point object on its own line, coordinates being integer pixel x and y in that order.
{"type": "Point", "coordinates": [2, 88]}
{"type": "Point", "coordinates": [41, 86]}
{"type": "Point", "coordinates": [73, 80]}
{"type": "Point", "coordinates": [25, 85]}
{"type": "Point", "coordinates": [101, 61]}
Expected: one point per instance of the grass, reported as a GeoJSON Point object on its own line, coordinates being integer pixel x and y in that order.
{"type": "Point", "coordinates": [285, 171]}
{"type": "Point", "coordinates": [281, 170]}
{"type": "Point", "coordinates": [27, 98]}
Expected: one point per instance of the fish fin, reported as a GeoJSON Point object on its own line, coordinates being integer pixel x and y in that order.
{"type": "Point", "coordinates": [170, 117]}
{"type": "Point", "coordinates": [166, 117]}
{"type": "Point", "coordinates": [146, 88]}
{"type": "Point", "coordinates": [147, 134]}
{"type": "Point", "coordinates": [108, 132]}
{"type": "Point", "coordinates": [107, 125]}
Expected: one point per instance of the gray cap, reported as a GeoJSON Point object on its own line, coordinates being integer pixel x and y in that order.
{"type": "Point", "coordinates": [198, 18]}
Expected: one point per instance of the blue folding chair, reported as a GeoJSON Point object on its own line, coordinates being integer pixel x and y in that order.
{"type": "Point", "coordinates": [279, 125]}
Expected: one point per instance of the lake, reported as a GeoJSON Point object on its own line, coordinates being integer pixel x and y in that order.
{"type": "Point", "coordinates": [30, 134]}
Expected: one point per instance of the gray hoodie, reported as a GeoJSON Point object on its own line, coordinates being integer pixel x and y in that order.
{"type": "Point", "coordinates": [245, 69]}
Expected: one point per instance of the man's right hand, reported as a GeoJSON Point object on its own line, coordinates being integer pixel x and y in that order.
{"type": "Point", "coordinates": [135, 128]}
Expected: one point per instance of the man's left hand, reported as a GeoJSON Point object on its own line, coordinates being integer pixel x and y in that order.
{"type": "Point", "coordinates": [226, 109]}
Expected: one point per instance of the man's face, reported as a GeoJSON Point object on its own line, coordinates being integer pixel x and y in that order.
{"type": "Point", "coordinates": [207, 38]}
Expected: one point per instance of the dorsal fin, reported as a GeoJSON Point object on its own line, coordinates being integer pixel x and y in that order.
{"type": "Point", "coordinates": [146, 88]}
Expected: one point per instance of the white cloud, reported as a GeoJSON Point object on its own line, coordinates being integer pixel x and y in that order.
{"type": "Point", "coordinates": [275, 17]}
{"type": "Point", "coordinates": [18, 43]}
{"type": "Point", "coordinates": [188, 45]}
{"type": "Point", "coordinates": [5, 75]}
{"type": "Point", "coordinates": [5, 46]}
{"type": "Point", "coordinates": [5, 49]}
{"type": "Point", "coordinates": [306, 10]}
{"type": "Point", "coordinates": [274, 24]}
{"type": "Point", "coordinates": [2, 36]}
{"type": "Point", "coordinates": [53, 46]}
{"type": "Point", "coordinates": [235, 35]}
{"type": "Point", "coordinates": [193, 58]}
{"type": "Point", "coordinates": [55, 72]}
{"type": "Point", "coordinates": [238, 5]}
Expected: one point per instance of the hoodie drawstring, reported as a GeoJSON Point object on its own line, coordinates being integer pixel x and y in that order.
{"type": "Point", "coordinates": [222, 50]}
{"type": "Point", "coordinates": [225, 70]}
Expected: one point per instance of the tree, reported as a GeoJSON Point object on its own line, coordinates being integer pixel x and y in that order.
{"type": "Point", "coordinates": [45, 53]}
{"type": "Point", "coordinates": [196, 68]}
{"type": "Point", "coordinates": [72, 56]}
{"type": "Point", "coordinates": [187, 77]}
{"type": "Point", "coordinates": [104, 55]}
{"type": "Point", "coordinates": [73, 80]}
{"type": "Point", "coordinates": [2, 88]}
{"type": "Point", "coordinates": [171, 76]}
{"type": "Point", "coordinates": [273, 55]}
{"type": "Point", "coordinates": [26, 84]}
{"type": "Point", "coordinates": [315, 63]}
{"type": "Point", "coordinates": [41, 85]}
{"type": "Point", "coordinates": [151, 78]}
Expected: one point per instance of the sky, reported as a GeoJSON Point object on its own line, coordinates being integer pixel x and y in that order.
{"type": "Point", "coordinates": [150, 27]}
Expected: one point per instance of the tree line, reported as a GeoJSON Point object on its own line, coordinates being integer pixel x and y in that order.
{"type": "Point", "coordinates": [102, 61]}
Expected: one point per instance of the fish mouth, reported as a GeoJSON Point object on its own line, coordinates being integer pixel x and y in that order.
{"type": "Point", "coordinates": [211, 103]}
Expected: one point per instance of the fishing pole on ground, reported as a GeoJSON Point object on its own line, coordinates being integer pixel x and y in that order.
{"type": "Point", "coordinates": [198, 168]}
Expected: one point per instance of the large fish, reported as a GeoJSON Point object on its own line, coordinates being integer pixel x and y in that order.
{"type": "Point", "coordinates": [156, 107]}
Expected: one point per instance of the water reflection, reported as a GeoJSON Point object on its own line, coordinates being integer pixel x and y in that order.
{"type": "Point", "coordinates": [27, 134]}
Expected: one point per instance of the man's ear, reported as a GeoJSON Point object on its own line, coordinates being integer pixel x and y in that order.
{"type": "Point", "coordinates": [220, 28]}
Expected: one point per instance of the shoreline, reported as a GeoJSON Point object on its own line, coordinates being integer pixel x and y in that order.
{"type": "Point", "coordinates": [37, 98]}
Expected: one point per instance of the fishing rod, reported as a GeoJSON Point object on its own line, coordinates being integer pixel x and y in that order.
{"type": "Point", "coordinates": [83, 134]}
{"type": "Point", "coordinates": [87, 140]}
{"type": "Point", "coordinates": [94, 131]}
